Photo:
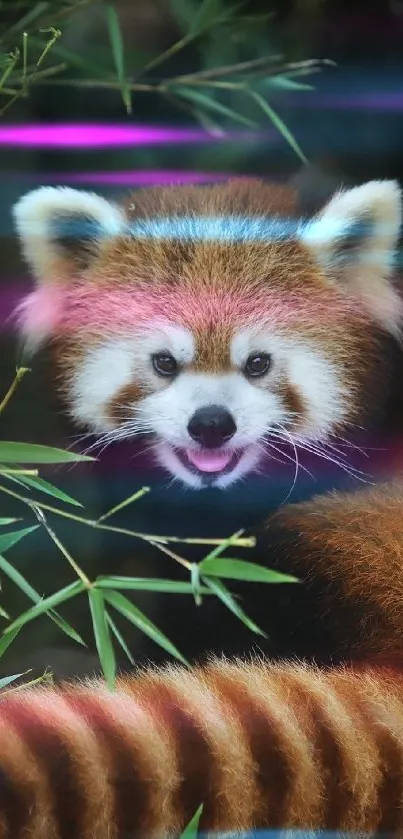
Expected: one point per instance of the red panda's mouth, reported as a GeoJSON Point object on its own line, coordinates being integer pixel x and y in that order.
{"type": "Point", "coordinates": [209, 461]}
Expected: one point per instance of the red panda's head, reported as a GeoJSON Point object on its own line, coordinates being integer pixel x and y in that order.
{"type": "Point", "coordinates": [212, 318]}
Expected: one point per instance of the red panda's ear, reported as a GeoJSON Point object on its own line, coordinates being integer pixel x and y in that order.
{"type": "Point", "coordinates": [60, 230]}
{"type": "Point", "coordinates": [355, 238]}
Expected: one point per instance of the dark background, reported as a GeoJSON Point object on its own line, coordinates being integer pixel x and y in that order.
{"type": "Point", "coordinates": [351, 125]}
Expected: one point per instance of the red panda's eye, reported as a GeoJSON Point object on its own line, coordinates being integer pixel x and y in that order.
{"type": "Point", "coordinates": [257, 365]}
{"type": "Point", "coordinates": [164, 364]}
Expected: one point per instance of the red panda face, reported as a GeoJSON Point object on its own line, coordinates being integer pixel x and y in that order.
{"type": "Point", "coordinates": [211, 319]}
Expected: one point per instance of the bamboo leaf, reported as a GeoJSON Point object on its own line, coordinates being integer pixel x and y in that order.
{"type": "Point", "coordinates": [102, 636]}
{"type": "Point", "coordinates": [66, 628]}
{"type": "Point", "coordinates": [8, 521]}
{"type": "Point", "coordinates": [47, 604]}
{"type": "Point", "coordinates": [119, 638]}
{"type": "Point", "coordinates": [4, 614]}
{"type": "Point", "coordinates": [202, 100]}
{"type": "Point", "coordinates": [145, 584]}
{"type": "Point", "coordinates": [35, 453]}
{"type": "Point", "coordinates": [116, 40]}
{"type": "Point", "coordinates": [74, 59]}
{"type": "Point", "coordinates": [278, 123]}
{"type": "Point", "coordinates": [48, 488]}
{"type": "Point", "coordinates": [226, 543]}
{"type": "Point", "coordinates": [23, 584]}
{"type": "Point", "coordinates": [213, 13]}
{"type": "Point", "coordinates": [7, 680]}
{"type": "Point", "coordinates": [191, 829]}
{"type": "Point", "coordinates": [237, 569]}
{"type": "Point", "coordinates": [7, 639]}
{"type": "Point", "coordinates": [222, 592]}
{"type": "Point", "coordinates": [195, 583]}
{"type": "Point", "coordinates": [7, 540]}
{"type": "Point", "coordinates": [135, 616]}
{"type": "Point", "coordinates": [285, 83]}
{"type": "Point", "coordinates": [207, 14]}
{"type": "Point", "coordinates": [184, 11]}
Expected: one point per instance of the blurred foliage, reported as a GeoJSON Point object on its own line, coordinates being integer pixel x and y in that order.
{"type": "Point", "coordinates": [237, 75]}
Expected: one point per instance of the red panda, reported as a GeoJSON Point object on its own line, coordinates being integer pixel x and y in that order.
{"type": "Point", "coordinates": [211, 319]}
{"type": "Point", "coordinates": [219, 323]}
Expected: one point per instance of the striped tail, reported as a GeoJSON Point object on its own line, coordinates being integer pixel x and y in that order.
{"type": "Point", "coordinates": [260, 745]}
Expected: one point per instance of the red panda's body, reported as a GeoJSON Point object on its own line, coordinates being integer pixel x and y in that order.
{"type": "Point", "coordinates": [224, 327]}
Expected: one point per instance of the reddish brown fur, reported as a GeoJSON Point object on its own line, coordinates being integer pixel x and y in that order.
{"type": "Point", "coordinates": [260, 745]}
{"type": "Point", "coordinates": [339, 329]}
{"type": "Point", "coordinates": [356, 542]}
{"type": "Point", "coordinates": [120, 408]}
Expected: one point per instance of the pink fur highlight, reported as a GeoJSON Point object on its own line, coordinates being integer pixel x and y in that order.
{"type": "Point", "coordinates": [42, 312]}
{"type": "Point", "coordinates": [52, 311]}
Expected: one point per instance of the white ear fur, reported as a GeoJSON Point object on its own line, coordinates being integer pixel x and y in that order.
{"type": "Point", "coordinates": [37, 212]}
{"type": "Point", "coordinates": [369, 218]}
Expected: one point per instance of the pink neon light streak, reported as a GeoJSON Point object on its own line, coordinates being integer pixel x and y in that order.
{"type": "Point", "coordinates": [101, 136]}
{"type": "Point", "coordinates": [153, 177]}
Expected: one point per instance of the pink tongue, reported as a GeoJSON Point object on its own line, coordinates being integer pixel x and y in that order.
{"type": "Point", "coordinates": [209, 461]}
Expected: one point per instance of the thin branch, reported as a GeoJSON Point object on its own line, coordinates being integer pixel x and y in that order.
{"type": "Point", "coordinates": [42, 520]}
{"type": "Point", "coordinates": [247, 542]}
{"type": "Point", "coordinates": [20, 373]}
{"type": "Point", "coordinates": [171, 554]}
{"type": "Point", "coordinates": [137, 495]}
{"type": "Point", "coordinates": [229, 68]}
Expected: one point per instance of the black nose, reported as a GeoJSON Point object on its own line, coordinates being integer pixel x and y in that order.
{"type": "Point", "coordinates": [211, 426]}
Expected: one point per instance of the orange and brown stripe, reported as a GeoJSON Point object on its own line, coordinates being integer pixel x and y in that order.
{"type": "Point", "coordinates": [262, 746]}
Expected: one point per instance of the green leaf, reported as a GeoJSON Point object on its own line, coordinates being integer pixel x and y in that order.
{"type": "Point", "coordinates": [237, 569]}
{"type": "Point", "coordinates": [49, 489]}
{"type": "Point", "coordinates": [222, 592]}
{"type": "Point", "coordinates": [278, 123]}
{"type": "Point", "coordinates": [195, 583]}
{"type": "Point", "coordinates": [8, 521]}
{"type": "Point", "coordinates": [135, 616]}
{"type": "Point", "coordinates": [116, 40]}
{"type": "Point", "coordinates": [34, 453]}
{"type": "Point", "coordinates": [7, 540]}
{"type": "Point", "coordinates": [3, 613]}
{"type": "Point", "coordinates": [201, 99]}
{"type": "Point", "coordinates": [208, 123]}
{"type": "Point", "coordinates": [47, 604]}
{"type": "Point", "coordinates": [212, 13]}
{"type": "Point", "coordinates": [119, 638]}
{"type": "Point", "coordinates": [145, 584]}
{"type": "Point", "coordinates": [184, 12]}
{"type": "Point", "coordinates": [102, 636]}
{"type": "Point", "coordinates": [74, 59]}
{"type": "Point", "coordinates": [6, 640]}
{"type": "Point", "coordinates": [285, 83]}
{"type": "Point", "coordinates": [207, 15]}
{"type": "Point", "coordinates": [15, 479]}
{"type": "Point", "coordinates": [222, 546]}
{"type": "Point", "coordinates": [8, 679]}
{"type": "Point", "coordinates": [190, 831]}
{"type": "Point", "coordinates": [26, 587]}
{"type": "Point", "coordinates": [66, 628]}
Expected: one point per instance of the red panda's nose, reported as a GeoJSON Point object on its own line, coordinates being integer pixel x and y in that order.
{"type": "Point", "coordinates": [211, 426]}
